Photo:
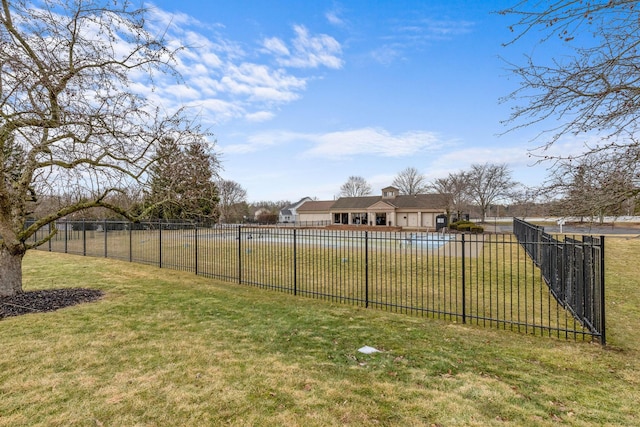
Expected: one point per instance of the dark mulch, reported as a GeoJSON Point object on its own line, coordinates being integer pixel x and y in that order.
{"type": "Point", "coordinates": [45, 300]}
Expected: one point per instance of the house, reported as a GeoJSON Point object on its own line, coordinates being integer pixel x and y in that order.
{"type": "Point", "coordinates": [315, 212]}
{"type": "Point", "coordinates": [260, 212]}
{"type": "Point", "coordinates": [289, 213]}
{"type": "Point", "coordinates": [389, 209]}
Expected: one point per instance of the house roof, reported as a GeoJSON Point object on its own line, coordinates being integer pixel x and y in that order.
{"type": "Point", "coordinates": [419, 201]}
{"type": "Point", "coordinates": [427, 201]}
{"type": "Point", "coordinates": [299, 202]}
{"type": "Point", "coordinates": [316, 205]}
{"type": "Point", "coordinates": [355, 202]}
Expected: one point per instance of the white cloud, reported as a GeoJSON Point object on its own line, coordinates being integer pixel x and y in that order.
{"type": "Point", "coordinates": [456, 160]}
{"type": "Point", "coordinates": [431, 29]}
{"type": "Point", "coordinates": [223, 76]}
{"type": "Point", "coordinates": [416, 34]}
{"type": "Point", "coordinates": [307, 51]}
{"type": "Point", "coordinates": [184, 92]}
{"type": "Point", "coordinates": [261, 141]}
{"type": "Point", "coordinates": [386, 55]}
{"type": "Point", "coordinates": [334, 18]}
{"type": "Point", "coordinates": [337, 145]}
{"type": "Point", "coordinates": [516, 155]}
{"type": "Point", "coordinates": [219, 111]}
{"type": "Point", "coordinates": [371, 141]}
{"type": "Point", "coordinates": [444, 28]}
{"type": "Point", "coordinates": [276, 46]}
{"type": "Point", "coordinates": [260, 116]}
{"type": "Point", "coordinates": [211, 60]}
{"type": "Point", "coordinates": [261, 83]}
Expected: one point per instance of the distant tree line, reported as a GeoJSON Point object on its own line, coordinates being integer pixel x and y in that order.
{"type": "Point", "coordinates": [588, 188]}
{"type": "Point", "coordinates": [184, 184]}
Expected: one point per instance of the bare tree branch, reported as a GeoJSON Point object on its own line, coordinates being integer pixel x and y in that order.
{"type": "Point", "coordinates": [356, 186]}
{"type": "Point", "coordinates": [410, 182]}
{"type": "Point", "coordinates": [593, 89]}
{"type": "Point", "coordinates": [69, 112]}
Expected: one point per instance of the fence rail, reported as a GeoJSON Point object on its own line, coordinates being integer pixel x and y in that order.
{"type": "Point", "coordinates": [488, 280]}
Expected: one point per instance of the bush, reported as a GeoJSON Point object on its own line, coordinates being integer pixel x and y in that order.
{"type": "Point", "coordinates": [477, 229]}
{"type": "Point", "coordinates": [466, 226]}
{"type": "Point", "coordinates": [461, 225]}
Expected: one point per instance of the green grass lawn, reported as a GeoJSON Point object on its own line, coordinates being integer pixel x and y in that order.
{"type": "Point", "coordinates": [169, 348]}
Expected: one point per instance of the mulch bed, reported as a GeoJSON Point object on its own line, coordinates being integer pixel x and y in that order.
{"type": "Point", "coordinates": [45, 300]}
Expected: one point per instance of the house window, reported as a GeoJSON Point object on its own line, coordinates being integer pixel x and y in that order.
{"type": "Point", "coordinates": [381, 218]}
{"type": "Point", "coordinates": [359, 218]}
{"type": "Point", "coordinates": [390, 194]}
{"type": "Point", "coordinates": [341, 218]}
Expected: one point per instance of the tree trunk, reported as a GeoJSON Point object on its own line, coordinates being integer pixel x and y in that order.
{"type": "Point", "coordinates": [10, 272]}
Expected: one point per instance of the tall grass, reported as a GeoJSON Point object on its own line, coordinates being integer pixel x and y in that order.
{"type": "Point", "coordinates": [167, 347]}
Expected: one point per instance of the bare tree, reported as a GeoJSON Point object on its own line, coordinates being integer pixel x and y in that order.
{"type": "Point", "coordinates": [597, 185]}
{"type": "Point", "coordinates": [410, 182]}
{"type": "Point", "coordinates": [594, 87]}
{"type": "Point", "coordinates": [356, 186]}
{"type": "Point", "coordinates": [232, 200]}
{"type": "Point", "coordinates": [525, 200]}
{"type": "Point", "coordinates": [70, 120]}
{"type": "Point", "coordinates": [488, 183]}
{"type": "Point", "coordinates": [455, 190]}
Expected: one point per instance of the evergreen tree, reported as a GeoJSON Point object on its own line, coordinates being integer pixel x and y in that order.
{"type": "Point", "coordinates": [200, 194]}
{"type": "Point", "coordinates": [182, 182]}
{"type": "Point", "coordinates": [163, 197]}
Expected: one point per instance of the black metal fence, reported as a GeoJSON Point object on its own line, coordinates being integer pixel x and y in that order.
{"type": "Point", "coordinates": [572, 268]}
{"type": "Point", "coordinates": [487, 280]}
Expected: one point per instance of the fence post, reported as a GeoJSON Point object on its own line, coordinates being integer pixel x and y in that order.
{"type": "Point", "coordinates": [603, 337]}
{"type": "Point", "coordinates": [160, 245]}
{"type": "Point", "coordinates": [464, 284]}
{"type": "Point", "coordinates": [130, 241]}
{"type": "Point", "coordinates": [84, 238]}
{"type": "Point", "coordinates": [49, 225]}
{"type": "Point", "coordinates": [240, 255]}
{"type": "Point", "coordinates": [295, 264]}
{"type": "Point", "coordinates": [366, 269]}
{"type": "Point", "coordinates": [195, 237]}
{"type": "Point", "coordinates": [104, 229]}
{"type": "Point", "coordinates": [66, 236]}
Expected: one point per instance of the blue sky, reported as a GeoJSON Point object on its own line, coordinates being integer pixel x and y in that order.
{"type": "Point", "coordinates": [300, 95]}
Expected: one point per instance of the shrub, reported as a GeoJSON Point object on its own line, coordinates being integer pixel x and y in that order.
{"type": "Point", "coordinates": [467, 226]}
{"type": "Point", "coordinates": [477, 229]}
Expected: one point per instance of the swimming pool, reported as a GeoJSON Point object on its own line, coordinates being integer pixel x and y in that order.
{"type": "Point", "coordinates": [321, 238]}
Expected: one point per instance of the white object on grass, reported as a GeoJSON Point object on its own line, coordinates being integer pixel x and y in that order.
{"type": "Point", "coordinates": [368, 350]}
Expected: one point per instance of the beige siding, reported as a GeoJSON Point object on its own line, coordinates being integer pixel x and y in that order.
{"type": "Point", "coordinates": [428, 220]}
{"type": "Point", "coordinates": [412, 218]}
{"type": "Point", "coordinates": [313, 216]}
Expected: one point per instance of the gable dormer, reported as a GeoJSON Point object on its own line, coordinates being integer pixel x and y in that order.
{"type": "Point", "coordinates": [389, 192]}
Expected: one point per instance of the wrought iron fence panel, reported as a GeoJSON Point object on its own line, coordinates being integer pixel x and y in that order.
{"type": "Point", "coordinates": [573, 268]}
{"type": "Point", "coordinates": [527, 281]}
